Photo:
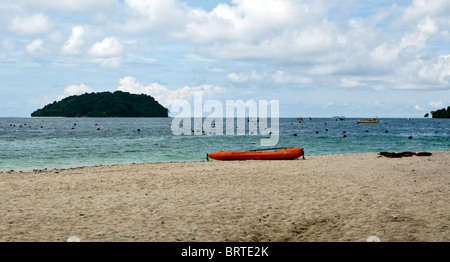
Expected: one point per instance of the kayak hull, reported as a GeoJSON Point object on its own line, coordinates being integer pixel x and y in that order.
{"type": "Point", "coordinates": [280, 154]}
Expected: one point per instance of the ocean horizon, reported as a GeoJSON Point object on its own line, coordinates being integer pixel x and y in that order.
{"type": "Point", "coordinates": [29, 143]}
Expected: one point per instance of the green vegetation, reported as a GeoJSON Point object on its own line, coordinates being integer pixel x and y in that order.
{"type": "Point", "coordinates": [441, 113]}
{"type": "Point", "coordinates": [105, 104]}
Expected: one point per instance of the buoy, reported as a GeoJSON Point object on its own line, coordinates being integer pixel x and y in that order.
{"type": "Point", "coordinates": [344, 132]}
{"type": "Point", "coordinates": [73, 127]}
{"type": "Point", "coordinates": [295, 134]}
{"type": "Point", "coordinates": [138, 130]}
{"type": "Point", "coordinates": [326, 129]}
{"type": "Point", "coordinates": [367, 131]}
{"type": "Point", "coordinates": [98, 128]}
{"type": "Point", "coordinates": [317, 132]}
{"type": "Point", "coordinates": [410, 137]}
{"type": "Point", "coordinates": [386, 131]}
{"type": "Point", "coordinates": [345, 136]}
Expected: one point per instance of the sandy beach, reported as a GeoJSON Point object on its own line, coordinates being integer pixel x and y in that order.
{"type": "Point", "coordinates": [327, 198]}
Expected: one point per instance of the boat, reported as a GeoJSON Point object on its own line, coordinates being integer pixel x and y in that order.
{"type": "Point", "coordinates": [299, 119]}
{"type": "Point", "coordinates": [259, 154]}
{"type": "Point", "coordinates": [368, 121]}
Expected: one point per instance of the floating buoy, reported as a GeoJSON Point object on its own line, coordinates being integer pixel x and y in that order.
{"type": "Point", "coordinates": [73, 127]}
{"type": "Point", "coordinates": [98, 128]}
{"type": "Point", "coordinates": [409, 137]}
{"type": "Point", "coordinates": [367, 131]}
{"type": "Point", "coordinates": [326, 129]}
{"type": "Point", "coordinates": [295, 134]}
{"type": "Point", "coordinates": [344, 136]}
{"type": "Point", "coordinates": [138, 130]}
{"type": "Point", "coordinates": [386, 131]}
{"type": "Point", "coordinates": [317, 132]}
{"type": "Point", "coordinates": [343, 132]}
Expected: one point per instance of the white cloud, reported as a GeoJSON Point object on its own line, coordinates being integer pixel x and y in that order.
{"type": "Point", "coordinates": [110, 46]}
{"type": "Point", "coordinates": [75, 90]}
{"type": "Point", "coordinates": [422, 8]}
{"type": "Point", "coordinates": [419, 108]}
{"type": "Point", "coordinates": [9, 45]}
{"type": "Point", "coordinates": [110, 62]}
{"type": "Point", "coordinates": [167, 16]}
{"type": "Point", "coordinates": [437, 104]}
{"type": "Point", "coordinates": [35, 24]}
{"type": "Point", "coordinates": [36, 48]}
{"type": "Point", "coordinates": [167, 96]}
{"type": "Point", "coordinates": [351, 82]}
{"type": "Point", "coordinates": [245, 78]}
{"type": "Point", "coordinates": [281, 77]}
{"type": "Point", "coordinates": [75, 42]}
{"type": "Point", "coordinates": [72, 6]}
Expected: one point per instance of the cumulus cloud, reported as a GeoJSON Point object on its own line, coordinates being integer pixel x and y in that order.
{"type": "Point", "coordinates": [167, 96]}
{"type": "Point", "coordinates": [75, 90]}
{"type": "Point", "coordinates": [107, 53]}
{"type": "Point", "coordinates": [75, 42]}
{"type": "Point", "coordinates": [168, 16]}
{"type": "Point", "coordinates": [423, 8]}
{"type": "Point", "coordinates": [109, 46]}
{"type": "Point", "coordinates": [36, 48]}
{"type": "Point", "coordinates": [35, 24]}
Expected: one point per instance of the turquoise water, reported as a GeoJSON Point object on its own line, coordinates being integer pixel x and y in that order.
{"type": "Point", "coordinates": [38, 143]}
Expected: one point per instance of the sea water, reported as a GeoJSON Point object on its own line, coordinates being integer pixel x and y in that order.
{"type": "Point", "coordinates": [39, 143]}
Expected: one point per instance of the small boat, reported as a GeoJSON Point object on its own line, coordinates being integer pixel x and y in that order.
{"type": "Point", "coordinates": [368, 121]}
{"type": "Point", "coordinates": [260, 154]}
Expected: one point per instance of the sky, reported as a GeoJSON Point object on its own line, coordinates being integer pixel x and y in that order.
{"type": "Point", "coordinates": [317, 58]}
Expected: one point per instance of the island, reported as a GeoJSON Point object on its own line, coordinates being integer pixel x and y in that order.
{"type": "Point", "coordinates": [441, 113]}
{"type": "Point", "coordinates": [104, 104]}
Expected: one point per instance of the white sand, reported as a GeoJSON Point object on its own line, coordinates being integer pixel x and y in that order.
{"type": "Point", "coordinates": [323, 198]}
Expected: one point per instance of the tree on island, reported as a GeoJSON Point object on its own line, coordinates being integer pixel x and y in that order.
{"type": "Point", "coordinates": [441, 113]}
{"type": "Point", "coordinates": [105, 104]}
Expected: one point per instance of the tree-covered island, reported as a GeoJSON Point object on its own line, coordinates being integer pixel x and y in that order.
{"type": "Point", "coordinates": [441, 113]}
{"type": "Point", "coordinates": [104, 104]}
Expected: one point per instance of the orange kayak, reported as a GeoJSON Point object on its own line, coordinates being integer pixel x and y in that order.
{"type": "Point", "coordinates": [269, 154]}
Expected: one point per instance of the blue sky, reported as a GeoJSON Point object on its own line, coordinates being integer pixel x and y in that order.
{"type": "Point", "coordinates": [318, 58]}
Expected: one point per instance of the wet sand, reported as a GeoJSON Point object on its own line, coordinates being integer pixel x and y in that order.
{"type": "Point", "coordinates": [328, 198]}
